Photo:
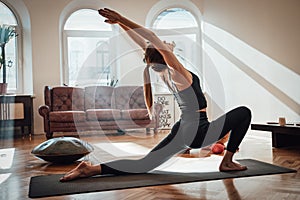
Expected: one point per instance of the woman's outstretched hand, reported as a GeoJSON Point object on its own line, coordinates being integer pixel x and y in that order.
{"type": "Point", "coordinates": [111, 16]}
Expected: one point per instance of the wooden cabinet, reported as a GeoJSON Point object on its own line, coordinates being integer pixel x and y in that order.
{"type": "Point", "coordinates": [17, 111]}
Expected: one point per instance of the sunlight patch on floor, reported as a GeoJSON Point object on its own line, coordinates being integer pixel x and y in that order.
{"type": "Point", "coordinates": [175, 164]}
{"type": "Point", "coordinates": [123, 149]}
{"type": "Point", "coordinates": [4, 177]}
{"type": "Point", "coordinates": [6, 158]}
{"type": "Point", "coordinates": [190, 165]}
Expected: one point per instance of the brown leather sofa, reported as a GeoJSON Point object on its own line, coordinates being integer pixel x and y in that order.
{"type": "Point", "coordinates": [74, 109]}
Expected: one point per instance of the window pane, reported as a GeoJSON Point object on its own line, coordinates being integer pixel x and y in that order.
{"type": "Point", "coordinates": [88, 60]}
{"type": "Point", "coordinates": [86, 19]}
{"type": "Point", "coordinates": [187, 49]}
{"type": "Point", "coordinates": [7, 17]}
{"type": "Point", "coordinates": [175, 18]}
{"type": "Point", "coordinates": [11, 66]}
{"type": "Point", "coordinates": [88, 49]}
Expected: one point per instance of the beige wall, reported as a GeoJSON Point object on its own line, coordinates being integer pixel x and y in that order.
{"type": "Point", "coordinates": [254, 45]}
{"type": "Point", "coordinates": [270, 26]}
{"type": "Point", "coordinates": [44, 16]}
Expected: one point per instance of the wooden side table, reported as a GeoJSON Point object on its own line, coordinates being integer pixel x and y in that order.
{"type": "Point", "coordinates": [282, 136]}
{"type": "Point", "coordinates": [17, 111]}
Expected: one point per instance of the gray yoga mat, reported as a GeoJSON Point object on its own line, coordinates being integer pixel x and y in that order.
{"type": "Point", "coordinates": [49, 185]}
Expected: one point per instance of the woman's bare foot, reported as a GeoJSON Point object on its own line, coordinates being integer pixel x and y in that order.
{"type": "Point", "coordinates": [228, 165]}
{"type": "Point", "coordinates": [84, 169]}
{"type": "Point", "coordinates": [231, 166]}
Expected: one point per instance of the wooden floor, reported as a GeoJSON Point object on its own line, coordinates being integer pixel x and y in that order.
{"type": "Point", "coordinates": [14, 180]}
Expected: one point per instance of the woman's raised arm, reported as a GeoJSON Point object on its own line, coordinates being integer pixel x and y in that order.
{"type": "Point", "coordinates": [168, 55]}
{"type": "Point", "coordinates": [135, 37]}
{"type": "Point", "coordinates": [114, 19]}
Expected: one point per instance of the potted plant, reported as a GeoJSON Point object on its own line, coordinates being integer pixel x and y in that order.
{"type": "Point", "coordinates": [7, 32]}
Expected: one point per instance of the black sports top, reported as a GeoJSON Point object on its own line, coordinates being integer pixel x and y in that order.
{"type": "Point", "coordinates": [192, 98]}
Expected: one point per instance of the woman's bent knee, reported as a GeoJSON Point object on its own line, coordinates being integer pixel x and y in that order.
{"type": "Point", "coordinates": [245, 112]}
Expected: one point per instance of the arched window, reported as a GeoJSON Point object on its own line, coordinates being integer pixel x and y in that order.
{"type": "Point", "coordinates": [173, 18]}
{"type": "Point", "coordinates": [12, 55]}
{"type": "Point", "coordinates": [179, 25]}
{"type": "Point", "coordinates": [86, 51]}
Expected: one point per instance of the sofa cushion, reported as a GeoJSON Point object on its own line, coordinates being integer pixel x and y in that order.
{"type": "Point", "coordinates": [103, 114]}
{"type": "Point", "coordinates": [129, 97]}
{"type": "Point", "coordinates": [98, 97]}
{"type": "Point", "coordinates": [67, 98]}
{"type": "Point", "coordinates": [67, 116]}
{"type": "Point", "coordinates": [135, 114]}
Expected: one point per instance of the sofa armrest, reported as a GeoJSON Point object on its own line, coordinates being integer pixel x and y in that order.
{"type": "Point", "coordinates": [47, 95]}
{"type": "Point", "coordinates": [44, 111]}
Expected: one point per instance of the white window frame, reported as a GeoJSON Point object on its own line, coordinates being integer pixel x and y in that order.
{"type": "Point", "coordinates": [19, 53]}
{"type": "Point", "coordinates": [67, 11]}
{"type": "Point", "coordinates": [163, 5]}
{"type": "Point", "coordinates": [78, 33]}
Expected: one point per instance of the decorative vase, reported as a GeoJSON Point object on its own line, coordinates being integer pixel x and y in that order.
{"type": "Point", "coordinates": [3, 88]}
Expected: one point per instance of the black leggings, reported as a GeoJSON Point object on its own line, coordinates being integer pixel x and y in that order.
{"type": "Point", "coordinates": [191, 131]}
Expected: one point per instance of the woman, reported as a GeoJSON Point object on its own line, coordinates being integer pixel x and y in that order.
{"type": "Point", "coordinates": [193, 130]}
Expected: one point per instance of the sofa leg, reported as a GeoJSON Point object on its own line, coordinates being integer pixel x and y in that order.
{"type": "Point", "coordinates": [120, 132]}
{"type": "Point", "coordinates": [49, 135]}
{"type": "Point", "coordinates": [155, 130]}
{"type": "Point", "coordinates": [147, 131]}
